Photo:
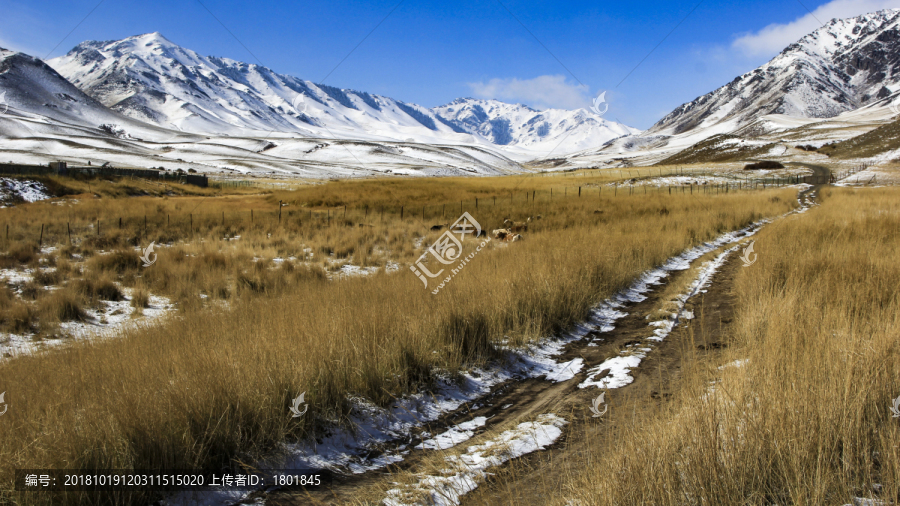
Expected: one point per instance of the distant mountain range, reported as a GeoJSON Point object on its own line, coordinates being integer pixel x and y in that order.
{"type": "Point", "coordinates": [144, 100]}
{"type": "Point", "coordinates": [149, 78]}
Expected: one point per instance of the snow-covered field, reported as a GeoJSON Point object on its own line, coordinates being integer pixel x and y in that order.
{"type": "Point", "coordinates": [872, 176]}
{"type": "Point", "coordinates": [106, 320]}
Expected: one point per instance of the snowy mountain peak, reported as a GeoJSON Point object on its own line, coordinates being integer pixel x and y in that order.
{"type": "Point", "coordinates": [844, 65]}
{"type": "Point", "coordinates": [518, 124]}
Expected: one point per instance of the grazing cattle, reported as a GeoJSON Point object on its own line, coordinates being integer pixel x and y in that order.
{"type": "Point", "coordinates": [506, 235]}
{"type": "Point", "coordinates": [516, 226]}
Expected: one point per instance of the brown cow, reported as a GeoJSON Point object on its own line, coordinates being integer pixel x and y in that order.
{"type": "Point", "coordinates": [500, 233]}
{"type": "Point", "coordinates": [516, 226]}
{"type": "Point", "coordinates": [506, 235]}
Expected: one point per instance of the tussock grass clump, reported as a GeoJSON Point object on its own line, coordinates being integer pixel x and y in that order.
{"type": "Point", "coordinates": [47, 277]}
{"type": "Point", "coordinates": [140, 299]}
{"type": "Point", "coordinates": [20, 253]}
{"type": "Point", "coordinates": [102, 289]}
{"type": "Point", "coordinates": [16, 316]}
{"type": "Point", "coordinates": [31, 290]}
{"type": "Point", "coordinates": [61, 306]}
{"type": "Point", "coordinates": [118, 261]}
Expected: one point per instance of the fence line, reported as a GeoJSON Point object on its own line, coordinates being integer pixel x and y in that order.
{"type": "Point", "coordinates": [519, 202]}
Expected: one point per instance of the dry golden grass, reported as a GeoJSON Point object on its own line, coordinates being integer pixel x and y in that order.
{"type": "Point", "coordinates": [210, 239]}
{"type": "Point", "coordinates": [212, 387]}
{"type": "Point", "coordinates": [806, 419]}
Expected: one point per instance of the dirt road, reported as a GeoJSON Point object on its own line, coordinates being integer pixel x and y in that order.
{"type": "Point", "coordinates": [527, 477]}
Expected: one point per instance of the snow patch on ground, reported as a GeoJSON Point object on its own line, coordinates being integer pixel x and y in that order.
{"type": "Point", "coordinates": [457, 434]}
{"type": "Point", "coordinates": [466, 471]}
{"type": "Point", "coordinates": [14, 189]}
{"type": "Point", "coordinates": [615, 372]}
{"type": "Point", "coordinates": [107, 320]}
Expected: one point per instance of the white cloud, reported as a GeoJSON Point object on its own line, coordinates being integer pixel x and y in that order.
{"type": "Point", "coordinates": [542, 92]}
{"type": "Point", "coordinates": [775, 37]}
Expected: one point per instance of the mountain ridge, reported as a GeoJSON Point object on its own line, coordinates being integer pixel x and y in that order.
{"type": "Point", "coordinates": [150, 78]}
{"type": "Point", "coordinates": [827, 72]}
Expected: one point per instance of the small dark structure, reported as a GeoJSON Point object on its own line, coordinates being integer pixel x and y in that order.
{"type": "Point", "coordinates": [765, 164]}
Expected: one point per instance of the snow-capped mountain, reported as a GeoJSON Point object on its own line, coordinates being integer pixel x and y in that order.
{"type": "Point", "coordinates": [44, 117]}
{"type": "Point", "coordinates": [149, 78]}
{"type": "Point", "coordinates": [519, 125]}
{"type": "Point", "coordinates": [35, 99]}
{"type": "Point", "coordinates": [844, 65]}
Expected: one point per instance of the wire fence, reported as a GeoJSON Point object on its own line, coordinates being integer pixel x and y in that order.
{"type": "Point", "coordinates": [67, 229]}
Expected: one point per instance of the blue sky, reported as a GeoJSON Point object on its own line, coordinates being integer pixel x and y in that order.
{"type": "Point", "coordinates": [430, 52]}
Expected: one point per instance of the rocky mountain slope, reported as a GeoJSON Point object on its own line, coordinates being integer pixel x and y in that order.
{"type": "Point", "coordinates": [844, 65]}
{"type": "Point", "coordinates": [35, 99]}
